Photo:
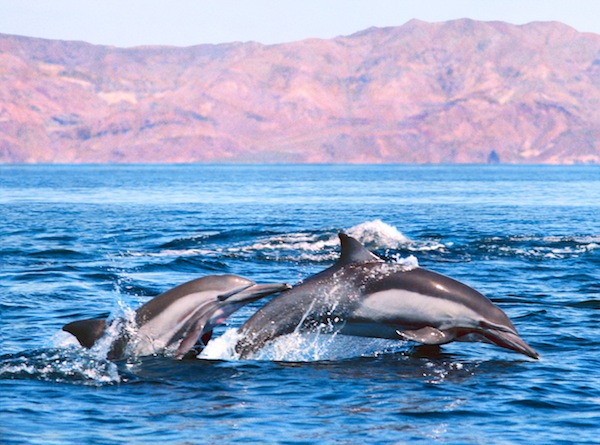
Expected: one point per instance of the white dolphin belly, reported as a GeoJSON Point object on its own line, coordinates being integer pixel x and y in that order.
{"type": "Point", "coordinates": [406, 309]}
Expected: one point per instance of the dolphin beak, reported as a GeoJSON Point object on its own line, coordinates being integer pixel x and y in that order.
{"type": "Point", "coordinates": [512, 341]}
{"type": "Point", "coordinates": [253, 292]}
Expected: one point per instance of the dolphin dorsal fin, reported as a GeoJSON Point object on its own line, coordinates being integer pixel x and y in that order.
{"type": "Point", "coordinates": [87, 331]}
{"type": "Point", "coordinates": [354, 252]}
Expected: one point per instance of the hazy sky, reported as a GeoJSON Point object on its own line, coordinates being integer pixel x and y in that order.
{"type": "Point", "coordinates": [190, 22]}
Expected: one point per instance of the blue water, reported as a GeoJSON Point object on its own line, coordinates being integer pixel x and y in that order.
{"type": "Point", "coordinates": [88, 241]}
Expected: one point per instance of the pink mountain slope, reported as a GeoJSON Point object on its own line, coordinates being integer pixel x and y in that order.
{"type": "Point", "coordinates": [454, 92]}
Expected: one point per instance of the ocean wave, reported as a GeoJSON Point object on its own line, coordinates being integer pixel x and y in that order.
{"type": "Point", "coordinates": [60, 254]}
{"type": "Point", "coordinates": [168, 253]}
{"type": "Point", "coordinates": [540, 247]}
{"type": "Point", "coordinates": [378, 235]}
{"type": "Point", "coordinates": [61, 365]}
{"type": "Point", "coordinates": [185, 243]}
{"type": "Point", "coordinates": [212, 252]}
{"type": "Point", "coordinates": [323, 246]}
{"type": "Point", "coordinates": [319, 246]}
{"type": "Point", "coordinates": [299, 246]}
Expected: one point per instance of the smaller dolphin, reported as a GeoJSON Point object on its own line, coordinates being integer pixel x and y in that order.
{"type": "Point", "coordinates": [174, 321]}
{"type": "Point", "coordinates": [364, 296]}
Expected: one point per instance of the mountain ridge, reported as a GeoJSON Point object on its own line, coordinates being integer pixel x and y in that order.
{"type": "Point", "coordinates": [449, 92]}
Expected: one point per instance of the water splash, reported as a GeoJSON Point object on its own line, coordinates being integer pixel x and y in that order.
{"type": "Point", "coordinates": [222, 347]}
{"type": "Point", "coordinates": [122, 330]}
{"type": "Point", "coordinates": [378, 235]}
{"type": "Point", "coordinates": [304, 347]}
{"type": "Point", "coordinates": [311, 347]}
{"type": "Point", "coordinates": [62, 365]}
{"type": "Point", "coordinates": [317, 334]}
{"type": "Point", "coordinates": [405, 263]}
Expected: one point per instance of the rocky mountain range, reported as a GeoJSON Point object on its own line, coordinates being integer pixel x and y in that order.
{"type": "Point", "coordinates": [454, 92]}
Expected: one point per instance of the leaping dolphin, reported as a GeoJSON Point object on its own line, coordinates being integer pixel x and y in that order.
{"type": "Point", "coordinates": [364, 296]}
{"type": "Point", "coordinates": [174, 321]}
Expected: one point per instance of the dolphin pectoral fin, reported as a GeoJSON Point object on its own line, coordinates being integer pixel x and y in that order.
{"type": "Point", "coordinates": [427, 336]}
{"type": "Point", "coordinates": [195, 350]}
{"type": "Point", "coordinates": [194, 341]}
{"type": "Point", "coordinates": [87, 331]}
{"type": "Point", "coordinates": [187, 343]}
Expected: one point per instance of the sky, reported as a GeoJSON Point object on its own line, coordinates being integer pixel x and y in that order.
{"type": "Point", "coordinates": [126, 23]}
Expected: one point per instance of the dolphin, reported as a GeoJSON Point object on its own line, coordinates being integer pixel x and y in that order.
{"type": "Point", "coordinates": [174, 321]}
{"type": "Point", "coordinates": [362, 295]}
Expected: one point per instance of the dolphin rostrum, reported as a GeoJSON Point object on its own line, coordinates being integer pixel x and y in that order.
{"type": "Point", "coordinates": [174, 321]}
{"type": "Point", "coordinates": [364, 296]}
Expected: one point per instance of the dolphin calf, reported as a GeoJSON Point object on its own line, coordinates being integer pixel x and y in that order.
{"type": "Point", "coordinates": [174, 321]}
{"type": "Point", "coordinates": [364, 296]}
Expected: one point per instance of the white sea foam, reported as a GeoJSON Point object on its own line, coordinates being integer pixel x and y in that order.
{"type": "Point", "coordinates": [303, 347]}
{"type": "Point", "coordinates": [546, 247]}
{"type": "Point", "coordinates": [378, 235]}
{"type": "Point", "coordinates": [324, 246]}
{"type": "Point", "coordinates": [64, 340]}
{"type": "Point", "coordinates": [298, 246]}
{"type": "Point", "coordinates": [309, 347]}
{"type": "Point", "coordinates": [70, 364]}
{"type": "Point", "coordinates": [222, 347]}
{"type": "Point", "coordinates": [408, 263]}
{"type": "Point", "coordinates": [319, 246]}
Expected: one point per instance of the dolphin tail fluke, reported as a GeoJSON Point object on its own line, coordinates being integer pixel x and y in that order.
{"type": "Point", "coordinates": [87, 331]}
{"type": "Point", "coordinates": [510, 340]}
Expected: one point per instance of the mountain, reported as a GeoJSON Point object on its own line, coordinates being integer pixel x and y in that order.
{"type": "Point", "coordinates": [454, 92]}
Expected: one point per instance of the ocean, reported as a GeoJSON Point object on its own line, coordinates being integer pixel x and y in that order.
{"type": "Point", "coordinates": [94, 240]}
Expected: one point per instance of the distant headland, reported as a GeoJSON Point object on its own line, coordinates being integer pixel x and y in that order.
{"type": "Point", "coordinates": [462, 91]}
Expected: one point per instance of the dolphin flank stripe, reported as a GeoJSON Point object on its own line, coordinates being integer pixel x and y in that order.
{"type": "Point", "coordinates": [413, 307]}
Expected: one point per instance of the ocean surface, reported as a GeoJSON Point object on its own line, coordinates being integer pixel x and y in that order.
{"type": "Point", "coordinates": [89, 241]}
